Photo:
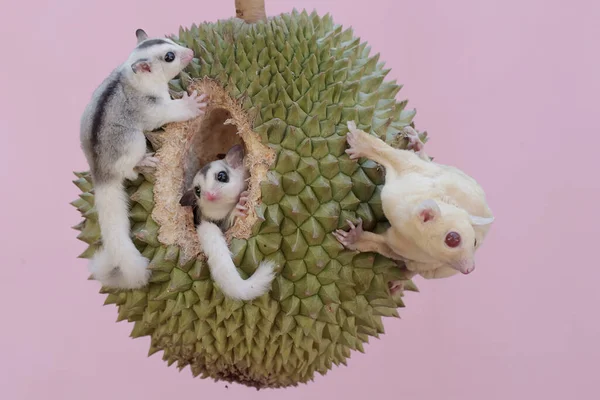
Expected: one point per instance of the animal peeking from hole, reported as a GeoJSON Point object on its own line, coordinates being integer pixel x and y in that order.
{"type": "Point", "coordinates": [217, 197]}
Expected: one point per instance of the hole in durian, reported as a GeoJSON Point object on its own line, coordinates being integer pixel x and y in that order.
{"type": "Point", "coordinates": [210, 139]}
{"type": "Point", "coordinates": [187, 146]}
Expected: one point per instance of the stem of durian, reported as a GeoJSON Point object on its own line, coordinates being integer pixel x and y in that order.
{"type": "Point", "coordinates": [250, 10]}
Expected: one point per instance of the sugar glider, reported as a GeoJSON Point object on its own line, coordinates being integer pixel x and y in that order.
{"type": "Point", "coordinates": [134, 98]}
{"type": "Point", "coordinates": [217, 198]}
{"type": "Point", "coordinates": [438, 214]}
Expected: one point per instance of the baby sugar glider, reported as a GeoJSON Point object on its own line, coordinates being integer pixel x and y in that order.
{"type": "Point", "coordinates": [438, 215]}
{"type": "Point", "coordinates": [134, 98]}
{"type": "Point", "coordinates": [217, 197]}
{"type": "Point", "coordinates": [218, 193]}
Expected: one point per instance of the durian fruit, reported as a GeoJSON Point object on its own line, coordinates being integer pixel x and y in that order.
{"type": "Point", "coordinates": [288, 86]}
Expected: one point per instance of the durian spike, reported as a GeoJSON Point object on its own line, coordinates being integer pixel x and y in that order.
{"type": "Point", "coordinates": [250, 11]}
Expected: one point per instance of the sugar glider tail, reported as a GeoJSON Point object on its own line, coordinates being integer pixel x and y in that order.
{"type": "Point", "coordinates": [222, 268]}
{"type": "Point", "coordinates": [118, 264]}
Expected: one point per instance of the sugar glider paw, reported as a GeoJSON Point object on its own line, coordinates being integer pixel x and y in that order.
{"type": "Point", "coordinates": [241, 209]}
{"type": "Point", "coordinates": [358, 147]}
{"type": "Point", "coordinates": [149, 161]}
{"type": "Point", "coordinates": [396, 287]}
{"type": "Point", "coordinates": [414, 141]}
{"type": "Point", "coordinates": [348, 239]}
{"type": "Point", "coordinates": [196, 104]}
{"type": "Point", "coordinates": [132, 175]}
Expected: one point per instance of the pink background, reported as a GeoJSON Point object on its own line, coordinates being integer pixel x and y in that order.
{"type": "Point", "coordinates": [508, 90]}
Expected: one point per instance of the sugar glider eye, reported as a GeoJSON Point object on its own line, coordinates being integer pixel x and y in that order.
{"type": "Point", "coordinates": [169, 57]}
{"type": "Point", "coordinates": [452, 239]}
{"type": "Point", "coordinates": [197, 191]}
{"type": "Point", "coordinates": [475, 245]}
{"type": "Point", "coordinates": [223, 177]}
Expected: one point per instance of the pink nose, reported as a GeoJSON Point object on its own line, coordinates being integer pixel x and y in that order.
{"type": "Point", "coordinates": [211, 196]}
{"type": "Point", "coordinates": [468, 270]}
{"type": "Point", "coordinates": [188, 55]}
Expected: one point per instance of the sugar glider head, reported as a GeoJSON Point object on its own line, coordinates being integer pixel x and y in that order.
{"type": "Point", "coordinates": [219, 182]}
{"type": "Point", "coordinates": [158, 58]}
{"type": "Point", "coordinates": [449, 234]}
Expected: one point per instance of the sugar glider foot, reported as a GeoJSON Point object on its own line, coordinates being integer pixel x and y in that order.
{"type": "Point", "coordinates": [358, 147]}
{"type": "Point", "coordinates": [396, 288]}
{"type": "Point", "coordinates": [196, 103]}
{"type": "Point", "coordinates": [241, 209]}
{"type": "Point", "coordinates": [414, 141]}
{"type": "Point", "coordinates": [149, 161]}
{"type": "Point", "coordinates": [348, 239]}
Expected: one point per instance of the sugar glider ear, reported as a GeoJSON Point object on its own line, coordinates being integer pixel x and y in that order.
{"type": "Point", "coordinates": [141, 35]}
{"type": "Point", "coordinates": [428, 210]}
{"type": "Point", "coordinates": [235, 156]}
{"type": "Point", "coordinates": [141, 66]}
{"type": "Point", "coordinates": [475, 220]}
{"type": "Point", "coordinates": [188, 199]}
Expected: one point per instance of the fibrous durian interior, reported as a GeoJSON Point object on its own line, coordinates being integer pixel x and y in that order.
{"type": "Point", "coordinates": [288, 87]}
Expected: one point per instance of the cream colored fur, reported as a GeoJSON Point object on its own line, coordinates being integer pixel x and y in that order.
{"type": "Point", "coordinates": [423, 201]}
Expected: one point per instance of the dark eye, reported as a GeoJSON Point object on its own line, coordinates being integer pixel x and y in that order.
{"type": "Point", "coordinates": [452, 239]}
{"type": "Point", "coordinates": [169, 57]}
{"type": "Point", "coordinates": [197, 191]}
{"type": "Point", "coordinates": [223, 177]}
{"type": "Point", "coordinates": [475, 243]}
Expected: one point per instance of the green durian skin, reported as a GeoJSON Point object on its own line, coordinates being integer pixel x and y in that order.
{"type": "Point", "coordinates": [303, 78]}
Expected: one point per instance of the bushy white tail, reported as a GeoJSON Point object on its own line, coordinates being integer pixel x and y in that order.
{"type": "Point", "coordinates": [222, 268]}
{"type": "Point", "coordinates": [118, 264]}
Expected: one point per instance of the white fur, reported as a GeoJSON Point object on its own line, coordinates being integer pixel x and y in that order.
{"type": "Point", "coordinates": [223, 269]}
{"type": "Point", "coordinates": [118, 250]}
{"type": "Point", "coordinates": [423, 201]}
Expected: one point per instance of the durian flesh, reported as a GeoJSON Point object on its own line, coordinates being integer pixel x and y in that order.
{"type": "Point", "coordinates": [300, 78]}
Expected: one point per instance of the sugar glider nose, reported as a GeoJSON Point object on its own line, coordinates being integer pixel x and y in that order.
{"type": "Point", "coordinates": [464, 267]}
{"type": "Point", "coordinates": [468, 269]}
{"type": "Point", "coordinates": [187, 56]}
{"type": "Point", "coordinates": [210, 196]}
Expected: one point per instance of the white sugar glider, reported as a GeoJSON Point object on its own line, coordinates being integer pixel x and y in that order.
{"type": "Point", "coordinates": [134, 98]}
{"type": "Point", "coordinates": [438, 215]}
{"type": "Point", "coordinates": [217, 197]}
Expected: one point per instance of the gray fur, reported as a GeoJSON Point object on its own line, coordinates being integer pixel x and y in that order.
{"type": "Point", "coordinates": [152, 42]}
{"type": "Point", "coordinates": [127, 103]}
{"type": "Point", "coordinates": [204, 170]}
{"type": "Point", "coordinates": [121, 123]}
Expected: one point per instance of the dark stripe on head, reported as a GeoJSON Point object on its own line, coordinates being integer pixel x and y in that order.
{"type": "Point", "coordinates": [204, 170]}
{"type": "Point", "coordinates": [152, 42]}
{"type": "Point", "coordinates": [99, 112]}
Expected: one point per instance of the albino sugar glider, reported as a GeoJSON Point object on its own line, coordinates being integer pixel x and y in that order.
{"type": "Point", "coordinates": [217, 197]}
{"type": "Point", "coordinates": [134, 98]}
{"type": "Point", "coordinates": [438, 214]}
